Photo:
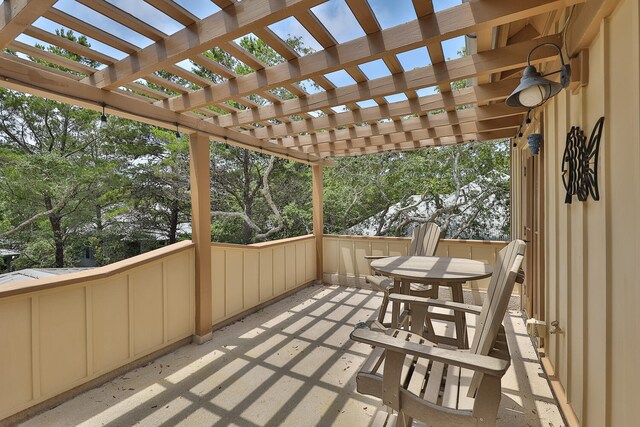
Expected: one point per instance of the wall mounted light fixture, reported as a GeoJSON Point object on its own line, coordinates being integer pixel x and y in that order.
{"type": "Point", "coordinates": [534, 89]}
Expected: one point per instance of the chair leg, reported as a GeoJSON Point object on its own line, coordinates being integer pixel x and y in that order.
{"type": "Point", "coordinates": [404, 420]}
{"type": "Point", "coordinates": [383, 307]}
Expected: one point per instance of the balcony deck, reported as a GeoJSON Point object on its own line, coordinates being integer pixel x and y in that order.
{"type": "Point", "coordinates": [290, 364]}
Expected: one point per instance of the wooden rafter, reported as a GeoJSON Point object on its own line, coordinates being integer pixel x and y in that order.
{"type": "Point", "coordinates": [230, 23]}
{"type": "Point", "coordinates": [71, 46]}
{"type": "Point", "coordinates": [469, 66]}
{"type": "Point", "coordinates": [82, 27]}
{"type": "Point", "coordinates": [16, 15]}
{"type": "Point", "coordinates": [403, 108]}
{"type": "Point", "coordinates": [124, 18]}
{"type": "Point", "coordinates": [223, 3]}
{"type": "Point", "coordinates": [51, 57]}
{"type": "Point", "coordinates": [418, 128]}
{"type": "Point", "coordinates": [174, 10]}
{"type": "Point", "coordinates": [364, 147]}
{"type": "Point", "coordinates": [507, 124]}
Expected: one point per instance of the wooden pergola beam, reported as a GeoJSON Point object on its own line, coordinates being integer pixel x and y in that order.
{"type": "Point", "coordinates": [71, 46]}
{"type": "Point", "coordinates": [404, 108]}
{"type": "Point", "coordinates": [174, 10]}
{"type": "Point", "coordinates": [506, 126]}
{"type": "Point", "coordinates": [232, 22]}
{"type": "Point", "coordinates": [414, 128]}
{"type": "Point", "coordinates": [433, 28]}
{"type": "Point", "coordinates": [344, 149]}
{"type": "Point", "coordinates": [89, 30]}
{"type": "Point", "coordinates": [586, 24]}
{"type": "Point", "coordinates": [16, 74]}
{"type": "Point", "coordinates": [223, 3]}
{"type": "Point", "coordinates": [506, 58]}
{"type": "Point", "coordinates": [124, 18]}
{"type": "Point", "coordinates": [17, 15]}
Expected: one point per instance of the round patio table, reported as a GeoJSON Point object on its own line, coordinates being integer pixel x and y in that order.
{"type": "Point", "coordinates": [434, 270]}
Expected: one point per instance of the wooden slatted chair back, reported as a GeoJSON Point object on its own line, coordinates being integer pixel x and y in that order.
{"type": "Point", "coordinates": [495, 305]}
{"type": "Point", "coordinates": [425, 239]}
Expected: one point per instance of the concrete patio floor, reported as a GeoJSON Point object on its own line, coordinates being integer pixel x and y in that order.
{"type": "Point", "coordinates": [290, 364]}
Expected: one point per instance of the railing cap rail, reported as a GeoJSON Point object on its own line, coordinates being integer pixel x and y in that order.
{"type": "Point", "coordinates": [465, 241]}
{"type": "Point", "coordinates": [263, 245]}
{"type": "Point", "coordinates": [98, 273]}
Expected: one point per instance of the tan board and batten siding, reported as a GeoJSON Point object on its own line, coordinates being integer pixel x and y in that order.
{"type": "Point", "coordinates": [59, 333]}
{"type": "Point", "coordinates": [246, 276]}
{"type": "Point", "coordinates": [68, 330]}
{"type": "Point", "coordinates": [344, 261]}
{"type": "Point", "coordinates": [592, 248]}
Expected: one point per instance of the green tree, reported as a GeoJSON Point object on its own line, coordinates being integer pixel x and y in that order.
{"type": "Point", "coordinates": [49, 171]}
{"type": "Point", "coordinates": [252, 198]}
{"type": "Point", "coordinates": [465, 188]}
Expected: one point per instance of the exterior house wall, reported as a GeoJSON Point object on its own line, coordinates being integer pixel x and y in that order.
{"type": "Point", "coordinates": [592, 248]}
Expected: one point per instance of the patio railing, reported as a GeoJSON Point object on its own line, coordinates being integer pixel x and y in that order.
{"type": "Point", "coordinates": [61, 332]}
{"type": "Point", "coordinates": [246, 277]}
{"type": "Point", "coordinates": [344, 261]}
{"type": "Point", "coordinates": [64, 332]}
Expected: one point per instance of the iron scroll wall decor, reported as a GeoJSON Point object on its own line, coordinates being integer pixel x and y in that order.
{"type": "Point", "coordinates": [580, 163]}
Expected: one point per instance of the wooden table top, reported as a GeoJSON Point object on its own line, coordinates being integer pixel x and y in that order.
{"type": "Point", "coordinates": [424, 268]}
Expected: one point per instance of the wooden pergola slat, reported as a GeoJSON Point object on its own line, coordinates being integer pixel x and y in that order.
{"type": "Point", "coordinates": [361, 147]}
{"type": "Point", "coordinates": [395, 109]}
{"type": "Point", "coordinates": [71, 46]}
{"type": "Point", "coordinates": [417, 128]}
{"type": "Point", "coordinates": [508, 124]}
{"type": "Point", "coordinates": [89, 30]}
{"type": "Point", "coordinates": [51, 57]}
{"type": "Point", "coordinates": [230, 23]}
{"type": "Point", "coordinates": [174, 10]}
{"type": "Point", "coordinates": [469, 66]}
{"type": "Point", "coordinates": [16, 15]}
{"type": "Point", "coordinates": [124, 18]}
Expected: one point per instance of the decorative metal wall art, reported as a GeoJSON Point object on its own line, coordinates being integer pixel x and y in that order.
{"type": "Point", "coordinates": [580, 163]}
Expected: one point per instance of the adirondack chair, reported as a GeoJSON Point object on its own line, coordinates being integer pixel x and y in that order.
{"type": "Point", "coordinates": [424, 242]}
{"type": "Point", "coordinates": [438, 384]}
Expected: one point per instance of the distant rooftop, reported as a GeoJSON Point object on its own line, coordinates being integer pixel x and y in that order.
{"type": "Point", "coordinates": [8, 252]}
{"type": "Point", "coordinates": [35, 273]}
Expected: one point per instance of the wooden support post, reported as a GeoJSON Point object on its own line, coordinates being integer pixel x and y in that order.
{"type": "Point", "coordinates": [318, 218]}
{"type": "Point", "coordinates": [201, 231]}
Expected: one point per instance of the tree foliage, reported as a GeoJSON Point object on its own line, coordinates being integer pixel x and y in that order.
{"type": "Point", "coordinates": [71, 186]}
{"type": "Point", "coordinates": [464, 188]}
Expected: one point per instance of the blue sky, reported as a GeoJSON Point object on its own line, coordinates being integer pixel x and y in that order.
{"type": "Point", "coordinates": [334, 14]}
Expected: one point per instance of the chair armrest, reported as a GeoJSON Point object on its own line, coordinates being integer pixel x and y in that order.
{"type": "Point", "coordinates": [373, 257]}
{"type": "Point", "coordinates": [476, 362]}
{"type": "Point", "coordinates": [430, 302]}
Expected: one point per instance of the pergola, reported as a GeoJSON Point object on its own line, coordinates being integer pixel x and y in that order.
{"type": "Point", "coordinates": [309, 128]}
{"type": "Point", "coordinates": [500, 35]}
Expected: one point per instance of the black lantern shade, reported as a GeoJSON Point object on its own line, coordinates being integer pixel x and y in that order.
{"type": "Point", "coordinates": [534, 89]}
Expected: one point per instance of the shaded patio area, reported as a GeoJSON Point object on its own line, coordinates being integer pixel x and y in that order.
{"type": "Point", "coordinates": [290, 364]}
